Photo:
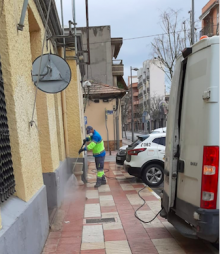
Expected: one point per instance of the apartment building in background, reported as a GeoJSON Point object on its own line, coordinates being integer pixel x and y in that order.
{"type": "Point", "coordinates": [151, 90]}
{"type": "Point", "coordinates": [104, 69]}
{"type": "Point", "coordinates": [210, 18]}
{"type": "Point", "coordinates": [135, 105]}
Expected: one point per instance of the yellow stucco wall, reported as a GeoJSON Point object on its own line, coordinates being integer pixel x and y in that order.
{"type": "Point", "coordinates": [74, 106]}
{"type": "Point", "coordinates": [60, 119]}
{"type": "Point", "coordinates": [60, 130]}
{"type": "Point", "coordinates": [33, 151]}
{"type": "Point", "coordinates": [16, 61]}
{"type": "Point", "coordinates": [45, 104]}
{"type": "Point", "coordinates": [95, 113]}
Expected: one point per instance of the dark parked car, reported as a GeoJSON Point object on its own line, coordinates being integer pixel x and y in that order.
{"type": "Point", "coordinates": [121, 155]}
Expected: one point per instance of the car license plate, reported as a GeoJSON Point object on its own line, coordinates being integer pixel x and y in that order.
{"type": "Point", "coordinates": [119, 158]}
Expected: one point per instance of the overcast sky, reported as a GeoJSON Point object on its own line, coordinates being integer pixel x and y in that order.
{"type": "Point", "coordinates": [128, 19]}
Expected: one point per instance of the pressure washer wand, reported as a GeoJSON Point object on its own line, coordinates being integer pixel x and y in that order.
{"type": "Point", "coordinates": [78, 157]}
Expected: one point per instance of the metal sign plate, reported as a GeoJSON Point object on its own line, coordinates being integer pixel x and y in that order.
{"type": "Point", "coordinates": [55, 73]}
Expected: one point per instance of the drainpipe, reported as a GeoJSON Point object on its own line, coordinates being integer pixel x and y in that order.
{"type": "Point", "coordinates": [106, 117]}
{"type": "Point", "coordinates": [64, 41]}
{"type": "Point", "coordinates": [20, 25]}
{"type": "Point", "coordinates": [74, 20]}
{"type": "Point", "coordinates": [117, 132]}
{"type": "Point", "coordinates": [63, 100]}
{"type": "Point", "coordinates": [117, 125]}
{"type": "Point", "coordinates": [87, 27]}
{"type": "Point", "coordinates": [63, 94]}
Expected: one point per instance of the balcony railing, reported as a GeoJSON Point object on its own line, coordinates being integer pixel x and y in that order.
{"type": "Point", "coordinates": [117, 68]}
{"type": "Point", "coordinates": [140, 84]}
{"type": "Point", "coordinates": [209, 30]}
{"type": "Point", "coordinates": [140, 95]}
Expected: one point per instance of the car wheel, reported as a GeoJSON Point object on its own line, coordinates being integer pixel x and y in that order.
{"type": "Point", "coordinates": [153, 175]}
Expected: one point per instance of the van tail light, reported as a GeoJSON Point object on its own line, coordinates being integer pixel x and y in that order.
{"type": "Point", "coordinates": [210, 177]}
{"type": "Point", "coordinates": [136, 151]}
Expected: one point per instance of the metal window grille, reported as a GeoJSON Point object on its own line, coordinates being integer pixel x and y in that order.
{"type": "Point", "coordinates": [7, 182]}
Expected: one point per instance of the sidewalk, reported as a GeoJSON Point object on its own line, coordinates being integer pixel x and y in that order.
{"type": "Point", "coordinates": [79, 230]}
{"type": "Point", "coordinates": [108, 157]}
{"type": "Point", "coordinates": [126, 142]}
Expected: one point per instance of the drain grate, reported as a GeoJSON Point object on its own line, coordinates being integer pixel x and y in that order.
{"type": "Point", "coordinates": [104, 220]}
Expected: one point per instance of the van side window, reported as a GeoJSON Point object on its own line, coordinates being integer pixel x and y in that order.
{"type": "Point", "coordinates": [156, 141]}
{"type": "Point", "coordinates": [160, 141]}
{"type": "Point", "coordinates": [163, 141]}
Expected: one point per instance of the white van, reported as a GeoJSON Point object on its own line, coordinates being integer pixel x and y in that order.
{"type": "Point", "coordinates": [190, 196]}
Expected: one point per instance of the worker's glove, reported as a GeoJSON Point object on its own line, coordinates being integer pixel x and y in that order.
{"type": "Point", "coordinates": [82, 150]}
{"type": "Point", "coordinates": [85, 140]}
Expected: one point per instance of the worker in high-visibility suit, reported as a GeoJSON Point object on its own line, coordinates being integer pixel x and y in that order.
{"type": "Point", "coordinates": [98, 149]}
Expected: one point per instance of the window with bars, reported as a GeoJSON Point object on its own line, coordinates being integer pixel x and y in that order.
{"type": "Point", "coordinates": [7, 182]}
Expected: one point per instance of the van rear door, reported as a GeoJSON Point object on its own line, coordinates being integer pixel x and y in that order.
{"type": "Point", "coordinates": [172, 138]}
{"type": "Point", "coordinates": [189, 126]}
{"type": "Point", "coordinates": [193, 140]}
{"type": "Point", "coordinates": [199, 126]}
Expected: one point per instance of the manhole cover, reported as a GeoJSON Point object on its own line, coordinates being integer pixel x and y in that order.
{"type": "Point", "coordinates": [104, 220]}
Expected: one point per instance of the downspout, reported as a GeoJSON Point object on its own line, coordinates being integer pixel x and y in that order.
{"type": "Point", "coordinates": [114, 130]}
{"type": "Point", "coordinates": [74, 20]}
{"type": "Point", "coordinates": [64, 41]}
{"type": "Point", "coordinates": [117, 125]}
{"type": "Point", "coordinates": [87, 26]}
{"type": "Point", "coordinates": [107, 129]}
{"type": "Point", "coordinates": [63, 94]}
{"type": "Point", "coordinates": [20, 25]}
{"type": "Point", "coordinates": [63, 100]}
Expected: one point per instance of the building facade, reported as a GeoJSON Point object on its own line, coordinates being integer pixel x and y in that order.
{"type": "Point", "coordinates": [136, 109]}
{"type": "Point", "coordinates": [101, 56]}
{"type": "Point", "coordinates": [210, 18]}
{"type": "Point", "coordinates": [102, 107]}
{"type": "Point", "coordinates": [40, 153]}
{"type": "Point", "coordinates": [102, 66]}
{"type": "Point", "coordinates": [151, 90]}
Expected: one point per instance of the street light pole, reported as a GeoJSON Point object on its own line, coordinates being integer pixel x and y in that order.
{"type": "Point", "coordinates": [192, 25]}
{"type": "Point", "coordinates": [132, 112]}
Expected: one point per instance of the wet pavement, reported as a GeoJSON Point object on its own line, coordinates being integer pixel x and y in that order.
{"type": "Point", "coordinates": [102, 220]}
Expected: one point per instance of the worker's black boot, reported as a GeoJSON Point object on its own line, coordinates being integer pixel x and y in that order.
{"type": "Point", "coordinates": [103, 180]}
{"type": "Point", "coordinates": [98, 182]}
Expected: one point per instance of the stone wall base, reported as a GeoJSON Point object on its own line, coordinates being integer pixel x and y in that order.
{"type": "Point", "coordinates": [25, 225]}
{"type": "Point", "coordinates": [56, 181]}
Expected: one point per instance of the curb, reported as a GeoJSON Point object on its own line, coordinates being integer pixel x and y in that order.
{"type": "Point", "coordinates": [154, 193]}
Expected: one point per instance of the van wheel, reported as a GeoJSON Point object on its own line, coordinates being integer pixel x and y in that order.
{"type": "Point", "coordinates": [153, 175]}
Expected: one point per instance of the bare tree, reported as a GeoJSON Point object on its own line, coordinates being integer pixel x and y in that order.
{"type": "Point", "coordinates": [168, 46]}
{"type": "Point", "coordinates": [139, 112]}
{"type": "Point", "coordinates": [125, 111]}
{"type": "Point", "coordinates": [156, 109]}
